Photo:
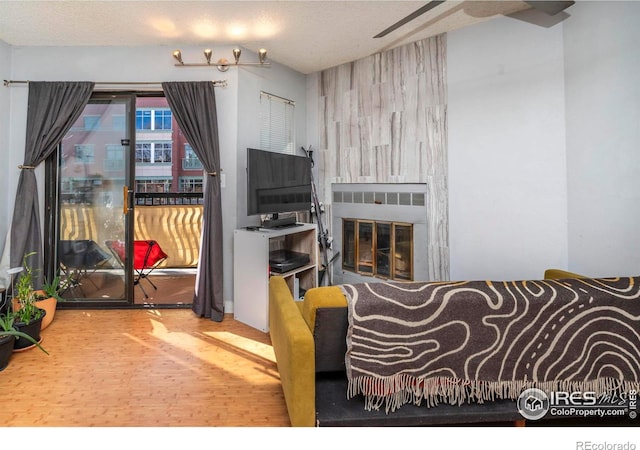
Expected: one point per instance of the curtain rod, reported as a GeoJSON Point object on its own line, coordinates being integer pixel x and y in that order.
{"type": "Point", "coordinates": [284, 100]}
{"type": "Point", "coordinates": [117, 83]}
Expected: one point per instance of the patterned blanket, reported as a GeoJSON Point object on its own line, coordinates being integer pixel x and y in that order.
{"type": "Point", "coordinates": [471, 341]}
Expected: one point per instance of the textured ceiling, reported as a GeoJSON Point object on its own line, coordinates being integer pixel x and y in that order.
{"type": "Point", "coordinates": [307, 36]}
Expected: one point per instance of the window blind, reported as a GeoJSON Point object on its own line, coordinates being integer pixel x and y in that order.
{"type": "Point", "coordinates": [277, 130]}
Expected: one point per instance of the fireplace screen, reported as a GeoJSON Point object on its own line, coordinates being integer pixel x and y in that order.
{"type": "Point", "coordinates": [382, 249]}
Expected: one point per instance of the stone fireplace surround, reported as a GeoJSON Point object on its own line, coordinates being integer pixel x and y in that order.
{"type": "Point", "coordinates": [392, 202]}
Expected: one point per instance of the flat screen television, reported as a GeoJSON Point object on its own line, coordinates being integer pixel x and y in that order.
{"type": "Point", "coordinates": [277, 182]}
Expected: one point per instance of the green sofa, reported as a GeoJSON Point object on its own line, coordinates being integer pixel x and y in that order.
{"type": "Point", "coordinates": [308, 339]}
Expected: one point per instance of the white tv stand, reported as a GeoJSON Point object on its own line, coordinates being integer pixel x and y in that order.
{"type": "Point", "coordinates": [251, 269]}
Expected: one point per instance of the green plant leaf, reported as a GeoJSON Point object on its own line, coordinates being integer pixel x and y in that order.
{"type": "Point", "coordinates": [20, 334]}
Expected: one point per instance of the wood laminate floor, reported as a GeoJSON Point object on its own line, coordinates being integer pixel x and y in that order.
{"type": "Point", "coordinates": [144, 368]}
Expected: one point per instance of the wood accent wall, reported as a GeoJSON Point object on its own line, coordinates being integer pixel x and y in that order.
{"type": "Point", "coordinates": [383, 119]}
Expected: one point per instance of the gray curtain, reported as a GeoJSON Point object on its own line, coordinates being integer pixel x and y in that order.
{"type": "Point", "coordinates": [52, 108]}
{"type": "Point", "coordinates": [194, 107]}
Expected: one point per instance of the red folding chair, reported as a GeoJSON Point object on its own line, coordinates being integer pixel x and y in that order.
{"type": "Point", "coordinates": [147, 255]}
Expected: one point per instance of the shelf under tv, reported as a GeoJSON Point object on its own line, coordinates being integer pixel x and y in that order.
{"type": "Point", "coordinates": [282, 261]}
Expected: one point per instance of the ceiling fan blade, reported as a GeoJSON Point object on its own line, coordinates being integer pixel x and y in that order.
{"type": "Point", "coordinates": [550, 7]}
{"type": "Point", "coordinates": [410, 17]}
{"type": "Point", "coordinates": [543, 13]}
{"type": "Point", "coordinates": [538, 18]}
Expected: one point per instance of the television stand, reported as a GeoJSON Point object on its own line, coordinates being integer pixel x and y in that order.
{"type": "Point", "coordinates": [279, 223]}
{"type": "Point", "coordinates": [259, 254]}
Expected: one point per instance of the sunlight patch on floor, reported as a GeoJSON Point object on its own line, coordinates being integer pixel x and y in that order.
{"type": "Point", "coordinates": [213, 348]}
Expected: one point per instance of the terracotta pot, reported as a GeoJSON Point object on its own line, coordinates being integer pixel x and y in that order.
{"type": "Point", "coordinates": [49, 305]}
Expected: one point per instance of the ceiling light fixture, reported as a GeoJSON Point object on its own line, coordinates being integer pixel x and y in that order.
{"type": "Point", "coordinates": [223, 64]}
{"type": "Point", "coordinates": [178, 56]}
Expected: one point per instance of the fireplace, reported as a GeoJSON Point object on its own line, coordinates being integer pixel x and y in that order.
{"type": "Point", "coordinates": [380, 231]}
{"type": "Point", "coordinates": [378, 248]}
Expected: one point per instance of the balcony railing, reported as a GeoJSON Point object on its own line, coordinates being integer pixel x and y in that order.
{"type": "Point", "coordinates": [168, 198]}
{"type": "Point", "coordinates": [174, 220]}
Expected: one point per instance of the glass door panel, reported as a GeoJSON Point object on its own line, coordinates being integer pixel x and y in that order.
{"type": "Point", "coordinates": [94, 202]}
{"type": "Point", "coordinates": [403, 254]}
{"type": "Point", "coordinates": [365, 246]}
{"type": "Point", "coordinates": [383, 249]}
{"type": "Point", "coordinates": [168, 205]}
{"type": "Point", "coordinates": [348, 244]}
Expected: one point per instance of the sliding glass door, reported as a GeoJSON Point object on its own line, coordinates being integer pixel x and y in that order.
{"type": "Point", "coordinates": [124, 176]}
{"type": "Point", "coordinates": [92, 203]}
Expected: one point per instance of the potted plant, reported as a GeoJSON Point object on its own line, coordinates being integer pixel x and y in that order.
{"type": "Point", "coordinates": [48, 297]}
{"type": "Point", "coordinates": [8, 336]}
{"type": "Point", "coordinates": [27, 316]}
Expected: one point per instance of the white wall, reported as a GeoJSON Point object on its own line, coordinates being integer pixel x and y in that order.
{"type": "Point", "coordinates": [603, 137]}
{"type": "Point", "coordinates": [149, 64]}
{"type": "Point", "coordinates": [277, 80]}
{"type": "Point", "coordinates": [507, 160]}
{"type": "Point", "coordinates": [5, 74]}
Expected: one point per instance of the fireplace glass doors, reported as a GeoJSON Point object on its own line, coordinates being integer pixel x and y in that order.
{"type": "Point", "coordinates": [375, 248]}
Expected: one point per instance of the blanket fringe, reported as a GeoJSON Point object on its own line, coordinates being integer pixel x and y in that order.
{"type": "Point", "coordinates": [395, 391]}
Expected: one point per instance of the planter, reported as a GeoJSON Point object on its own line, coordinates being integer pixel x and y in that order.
{"type": "Point", "coordinates": [32, 329]}
{"type": "Point", "coordinates": [49, 305]}
{"type": "Point", "coordinates": [6, 349]}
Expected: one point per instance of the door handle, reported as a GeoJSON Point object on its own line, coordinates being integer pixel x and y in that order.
{"type": "Point", "coordinates": [126, 194]}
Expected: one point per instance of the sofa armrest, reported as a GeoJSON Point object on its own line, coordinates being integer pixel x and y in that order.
{"type": "Point", "coordinates": [293, 346]}
{"type": "Point", "coordinates": [321, 297]}
{"type": "Point", "coordinates": [558, 274]}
